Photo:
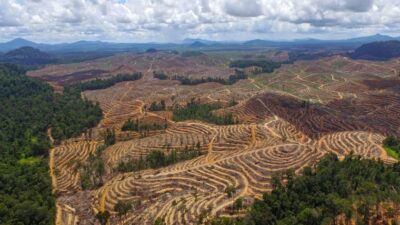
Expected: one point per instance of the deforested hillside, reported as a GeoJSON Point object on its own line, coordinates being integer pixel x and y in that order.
{"type": "Point", "coordinates": [351, 191]}
{"type": "Point", "coordinates": [172, 152]}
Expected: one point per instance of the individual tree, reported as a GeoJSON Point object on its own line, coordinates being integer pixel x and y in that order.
{"type": "Point", "coordinates": [230, 191]}
{"type": "Point", "coordinates": [122, 207]}
{"type": "Point", "coordinates": [238, 204]}
{"type": "Point", "coordinates": [103, 217]}
{"type": "Point", "coordinates": [109, 137]}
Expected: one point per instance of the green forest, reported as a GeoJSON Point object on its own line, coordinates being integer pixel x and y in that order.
{"type": "Point", "coordinates": [155, 106]}
{"type": "Point", "coordinates": [197, 111]}
{"type": "Point", "coordinates": [185, 80]}
{"type": "Point", "coordinates": [232, 79]}
{"type": "Point", "coordinates": [160, 75]}
{"type": "Point", "coordinates": [266, 66]}
{"type": "Point", "coordinates": [28, 109]}
{"type": "Point", "coordinates": [353, 188]}
{"type": "Point", "coordinates": [158, 158]}
{"type": "Point", "coordinates": [138, 126]}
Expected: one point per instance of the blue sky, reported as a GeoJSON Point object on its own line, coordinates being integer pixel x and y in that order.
{"type": "Point", "coordinates": [174, 20]}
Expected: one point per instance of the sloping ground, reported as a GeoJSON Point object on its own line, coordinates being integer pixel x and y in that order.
{"type": "Point", "coordinates": [288, 119]}
{"type": "Point", "coordinates": [128, 63]}
{"type": "Point", "coordinates": [377, 113]}
{"type": "Point", "coordinates": [241, 156]}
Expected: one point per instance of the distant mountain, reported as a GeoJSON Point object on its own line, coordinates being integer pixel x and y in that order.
{"type": "Point", "coordinates": [258, 42]}
{"type": "Point", "coordinates": [99, 46]}
{"type": "Point", "coordinates": [151, 50]}
{"type": "Point", "coordinates": [17, 43]}
{"type": "Point", "coordinates": [27, 56]}
{"type": "Point", "coordinates": [190, 41]}
{"type": "Point", "coordinates": [378, 50]}
{"type": "Point", "coordinates": [198, 44]}
{"type": "Point", "coordinates": [353, 42]}
{"type": "Point", "coordinates": [84, 46]}
{"type": "Point", "coordinates": [373, 38]}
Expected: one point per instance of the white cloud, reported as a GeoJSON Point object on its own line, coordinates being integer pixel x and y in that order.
{"type": "Point", "coordinates": [8, 12]}
{"type": "Point", "coordinates": [243, 8]}
{"type": "Point", "coordinates": [171, 20]}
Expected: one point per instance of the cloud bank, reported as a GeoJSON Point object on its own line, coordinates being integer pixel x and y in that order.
{"type": "Point", "coordinates": [173, 20]}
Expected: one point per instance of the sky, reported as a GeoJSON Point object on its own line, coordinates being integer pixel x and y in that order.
{"type": "Point", "coordinates": [55, 21]}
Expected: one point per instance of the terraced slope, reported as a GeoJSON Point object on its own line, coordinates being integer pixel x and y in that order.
{"type": "Point", "coordinates": [287, 120]}
{"type": "Point", "coordinates": [378, 113]}
{"type": "Point", "coordinates": [64, 160]}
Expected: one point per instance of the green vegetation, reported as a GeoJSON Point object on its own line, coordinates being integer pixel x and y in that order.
{"type": "Point", "coordinates": [382, 50]}
{"type": "Point", "coordinates": [73, 115]}
{"type": "Point", "coordinates": [141, 127]}
{"type": "Point", "coordinates": [392, 147]}
{"type": "Point", "coordinates": [155, 106]}
{"type": "Point", "coordinates": [196, 111]}
{"type": "Point", "coordinates": [353, 188]}
{"type": "Point", "coordinates": [239, 75]}
{"type": "Point", "coordinates": [266, 66]}
{"type": "Point", "coordinates": [238, 203]}
{"type": "Point", "coordinates": [230, 191]}
{"type": "Point", "coordinates": [185, 80]}
{"type": "Point", "coordinates": [109, 137]}
{"type": "Point", "coordinates": [151, 50]}
{"type": "Point", "coordinates": [103, 217]}
{"type": "Point", "coordinates": [156, 159]}
{"type": "Point", "coordinates": [30, 161]}
{"type": "Point", "coordinates": [392, 153]}
{"type": "Point", "coordinates": [123, 207]}
{"type": "Point", "coordinates": [105, 83]}
{"type": "Point", "coordinates": [232, 102]}
{"type": "Point", "coordinates": [28, 108]}
{"type": "Point", "coordinates": [28, 57]}
{"type": "Point", "coordinates": [160, 75]}
{"type": "Point", "coordinates": [92, 171]}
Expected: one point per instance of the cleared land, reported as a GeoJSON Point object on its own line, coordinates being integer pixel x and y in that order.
{"type": "Point", "coordinates": [288, 119]}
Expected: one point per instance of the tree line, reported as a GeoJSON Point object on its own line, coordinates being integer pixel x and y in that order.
{"type": "Point", "coordinates": [105, 83]}
{"type": "Point", "coordinates": [194, 110]}
{"type": "Point", "coordinates": [185, 80]}
{"type": "Point", "coordinates": [265, 65]}
{"type": "Point", "coordinates": [160, 75]}
{"type": "Point", "coordinates": [138, 126]}
{"type": "Point", "coordinates": [349, 190]}
{"type": "Point", "coordinates": [155, 106]}
{"type": "Point", "coordinates": [28, 109]}
{"type": "Point", "coordinates": [158, 158]}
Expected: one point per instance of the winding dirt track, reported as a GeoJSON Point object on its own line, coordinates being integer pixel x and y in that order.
{"type": "Point", "coordinates": [287, 120]}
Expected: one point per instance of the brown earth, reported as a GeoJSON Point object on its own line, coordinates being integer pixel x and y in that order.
{"type": "Point", "coordinates": [288, 119]}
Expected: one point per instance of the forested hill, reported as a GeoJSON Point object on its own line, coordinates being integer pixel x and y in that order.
{"type": "Point", "coordinates": [28, 108]}
{"type": "Point", "coordinates": [27, 56]}
{"type": "Point", "coordinates": [378, 50]}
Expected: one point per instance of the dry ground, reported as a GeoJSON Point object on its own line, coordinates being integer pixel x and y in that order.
{"type": "Point", "coordinates": [288, 120]}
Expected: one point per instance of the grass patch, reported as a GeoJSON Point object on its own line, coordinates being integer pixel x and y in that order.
{"type": "Point", "coordinates": [30, 161]}
{"type": "Point", "coordinates": [392, 146]}
{"type": "Point", "coordinates": [391, 152]}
